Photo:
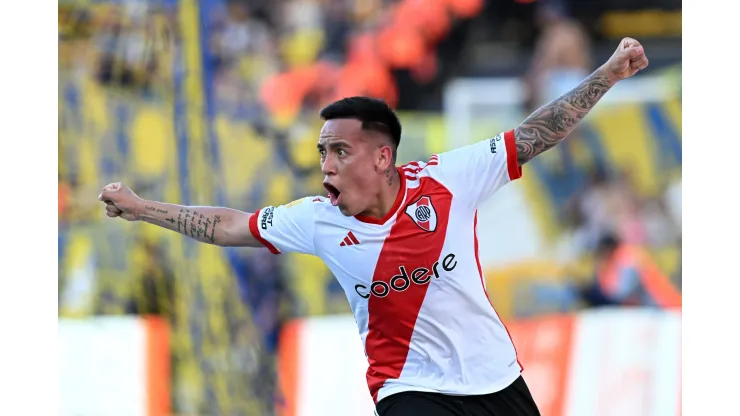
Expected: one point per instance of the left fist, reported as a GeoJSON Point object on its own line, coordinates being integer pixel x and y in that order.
{"type": "Point", "coordinates": [627, 60]}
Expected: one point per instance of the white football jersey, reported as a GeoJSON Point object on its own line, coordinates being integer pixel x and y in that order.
{"type": "Point", "coordinates": [413, 279]}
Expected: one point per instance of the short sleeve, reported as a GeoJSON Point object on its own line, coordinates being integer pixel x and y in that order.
{"type": "Point", "coordinates": [476, 171]}
{"type": "Point", "coordinates": [286, 228]}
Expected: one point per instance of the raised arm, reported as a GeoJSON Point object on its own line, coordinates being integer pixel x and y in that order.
{"type": "Point", "coordinates": [552, 123]}
{"type": "Point", "coordinates": [212, 225]}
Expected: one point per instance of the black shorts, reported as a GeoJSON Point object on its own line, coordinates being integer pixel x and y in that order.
{"type": "Point", "coordinates": [515, 400]}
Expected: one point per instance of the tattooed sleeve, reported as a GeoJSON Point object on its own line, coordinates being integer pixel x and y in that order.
{"type": "Point", "coordinates": [552, 123]}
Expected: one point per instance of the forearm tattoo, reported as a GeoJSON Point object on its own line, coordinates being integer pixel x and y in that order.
{"type": "Point", "coordinates": [156, 210]}
{"type": "Point", "coordinates": [196, 225]}
{"type": "Point", "coordinates": [552, 123]}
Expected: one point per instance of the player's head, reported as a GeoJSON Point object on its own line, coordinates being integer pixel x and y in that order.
{"type": "Point", "coordinates": [551, 11]}
{"type": "Point", "coordinates": [358, 145]}
{"type": "Point", "coordinates": [607, 245]}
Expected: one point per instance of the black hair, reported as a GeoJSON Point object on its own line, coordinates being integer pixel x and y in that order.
{"type": "Point", "coordinates": [608, 243]}
{"type": "Point", "coordinates": [374, 114]}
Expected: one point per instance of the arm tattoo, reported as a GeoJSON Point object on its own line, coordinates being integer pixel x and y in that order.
{"type": "Point", "coordinates": [196, 226]}
{"type": "Point", "coordinates": [552, 123]}
{"type": "Point", "coordinates": [157, 210]}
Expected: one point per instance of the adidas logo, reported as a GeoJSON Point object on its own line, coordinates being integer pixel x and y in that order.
{"type": "Point", "coordinates": [349, 240]}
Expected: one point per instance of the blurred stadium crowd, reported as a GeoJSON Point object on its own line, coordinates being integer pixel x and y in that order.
{"type": "Point", "coordinates": [215, 102]}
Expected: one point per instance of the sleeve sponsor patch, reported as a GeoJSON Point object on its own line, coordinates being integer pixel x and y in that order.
{"type": "Point", "coordinates": [493, 142]}
{"type": "Point", "coordinates": [266, 217]}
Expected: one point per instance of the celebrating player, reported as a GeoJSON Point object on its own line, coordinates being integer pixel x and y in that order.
{"type": "Point", "coordinates": [402, 243]}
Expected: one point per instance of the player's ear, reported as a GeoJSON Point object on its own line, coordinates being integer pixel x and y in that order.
{"type": "Point", "coordinates": [384, 157]}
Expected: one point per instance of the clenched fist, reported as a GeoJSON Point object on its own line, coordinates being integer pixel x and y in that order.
{"type": "Point", "coordinates": [120, 201]}
{"type": "Point", "coordinates": [626, 60]}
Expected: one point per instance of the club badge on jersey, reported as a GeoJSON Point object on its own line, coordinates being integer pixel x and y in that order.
{"type": "Point", "coordinates": [423, 214]}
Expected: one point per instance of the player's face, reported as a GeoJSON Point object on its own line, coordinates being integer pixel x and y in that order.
{"type": "Point", "coordinates": [349, 161]}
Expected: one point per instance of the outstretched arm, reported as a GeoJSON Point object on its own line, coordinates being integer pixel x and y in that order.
{"type": "Point", "coordinates": [212, 225]}
{"type": "Point", "coordinates": [552, 123]}
{"type": "Point", "coordinates": [286, 228]}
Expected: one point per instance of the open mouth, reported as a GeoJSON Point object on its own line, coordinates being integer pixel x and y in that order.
{"type": "Point", "coordinates": [333, 193]}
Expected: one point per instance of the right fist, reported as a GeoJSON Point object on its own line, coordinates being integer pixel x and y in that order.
{"type": "Point", "coordinates": [120, 201]}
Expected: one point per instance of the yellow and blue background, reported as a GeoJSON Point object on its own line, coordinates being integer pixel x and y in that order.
{"type": "Point", "coordinates": [176, 144]}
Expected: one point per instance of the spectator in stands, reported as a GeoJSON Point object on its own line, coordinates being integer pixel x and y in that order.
{"type": "Point", "coordinates": [153, 291]}
{"type": "Point", "coordinates": [263, 289]}
{"type": "Point", "coordinates": [336, 30]}
{"type": "Point", "coordinates": [587, 211]}
{"type": "Point", "coordinates": [627, 207]}
{"type": "Point", "coordinates": [561, 60]}
{"type": "Point", "coordinates": [608, 202]}
{"type": "Point", "coordinates": [660, 230]}
{"type": "Point", "coordinates": [625, 275]}
{"type": "Point", "coordinates": [127, 54]}
{"type": "Point", "coordinates": [562, 54]}
{"type": "Point", "coordinates": [671, 200]}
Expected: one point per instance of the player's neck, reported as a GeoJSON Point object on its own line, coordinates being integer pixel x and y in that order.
{"type": "Point", "coordinates": [386, 197]}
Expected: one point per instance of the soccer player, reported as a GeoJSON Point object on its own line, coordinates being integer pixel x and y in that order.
{"type": "Point", "coordinates": [402, 243]}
